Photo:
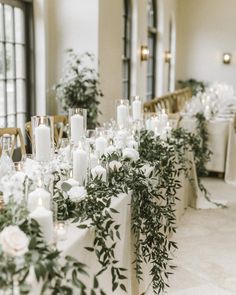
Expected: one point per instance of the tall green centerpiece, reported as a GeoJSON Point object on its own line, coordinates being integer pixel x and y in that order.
{"type": "Point", "coordinates": [79, 86]}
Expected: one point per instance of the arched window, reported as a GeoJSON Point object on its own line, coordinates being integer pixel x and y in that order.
{"type": "Point", "coordinates": [15, 56]}
{"type": "Point", "coordinates": [152, 37]}
{"type": "Point", "coordinates": [126, 58]}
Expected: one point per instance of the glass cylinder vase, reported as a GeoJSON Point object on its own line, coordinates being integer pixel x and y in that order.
{"type": "Point", "coordinates": [122, 113]}
{"type": "Point", "coordinates": [78, 124]}
{"type": "Point", "coordinates": [136, 106]}
{"type": "Point", "coordinates": [43, 138]}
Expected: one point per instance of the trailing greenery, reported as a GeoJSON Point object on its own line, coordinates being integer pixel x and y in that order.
{"type": "Point", "coordinates": [54, 274]}
{"type": "Point", "coordinates": [79, 87]}
{"type": "Point", "coordinates": [194, 85]}
{"type": "Point", "coordinates": [202, 153]}
{"type": "Point", "coordinates": [197, 143]}
{"type": "Point", "coordinates": [96, 212]}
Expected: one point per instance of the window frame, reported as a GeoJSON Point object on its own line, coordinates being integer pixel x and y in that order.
{"type": "Point", "coordinates": [127, 47]}
{"type": "Point", "coordinates": [29, 77]}
{"type": "Point", "coordinates": [152, 35]}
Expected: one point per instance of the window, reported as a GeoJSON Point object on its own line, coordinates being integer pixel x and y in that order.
{"type": "Point", "coordinates": [170, 48]}
{"type": "Point", "coordinates": [127, 30]}
{"type": "Point", "coordinates": [152, 36]}
{"type": "Point", "coordinates": [15, 56]}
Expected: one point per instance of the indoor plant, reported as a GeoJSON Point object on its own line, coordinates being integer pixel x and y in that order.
{"type": "Point", "coordinates": [79, 86]}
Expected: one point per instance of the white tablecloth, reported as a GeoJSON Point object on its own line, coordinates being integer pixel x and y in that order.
{"type": "Point", "coordinates": [222, 142]}
{"type": "Point", "coordinates": [77, 239]}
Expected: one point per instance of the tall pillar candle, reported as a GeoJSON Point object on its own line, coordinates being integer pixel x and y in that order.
{"type": "Point", "coordinates": [80, 165]}
{"type": "Point", "coordinates": [136, 109]}
{"type": "Point", "coordinates": [34, 196]}
{"type": "Point", "coordinates": [77, 127]}
{"type": "Point", "coordinates": [44, 217]}
{"type": "Point", "coordinates": [100, 145]}
{"type": "Point", "coordinates": [42, 143]}
{"type": "Point", "coordinates": [122, 115]}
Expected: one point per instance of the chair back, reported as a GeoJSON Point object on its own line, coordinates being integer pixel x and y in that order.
{"type": "Point", "coordinates": [15, 133]}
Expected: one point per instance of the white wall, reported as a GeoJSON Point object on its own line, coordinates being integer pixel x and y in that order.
{"type": "Point", "coordinates": [206, 29]}
{"type": "Point", "coordinates": [110, 49]}
{"type": "Point", "coordinates": [96, 26]}
{"type": "Point", "coordinates": [62, 25]}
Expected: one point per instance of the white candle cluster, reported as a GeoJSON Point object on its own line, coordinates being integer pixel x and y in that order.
{"type": "Point", "coordinates": [160, 125]}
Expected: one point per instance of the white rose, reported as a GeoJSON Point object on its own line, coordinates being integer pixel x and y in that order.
{"type": "Point", "coordinates": [100, 172]}
{"type": "Point", "coordinates": [14, 241]}
{"type": "Point", "coordinates": [110, 149]}
{"type": "Point", "coordinates": [77, 193]}
{"type": "Point", "coordinates": [115, 165]}
{"type": "Point", "coordinates": [131, 154]}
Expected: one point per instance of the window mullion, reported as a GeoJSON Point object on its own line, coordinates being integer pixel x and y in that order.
{"type": "Point", "coordinates": [4, 62]}
{"type": "Point", "coordinates": [14, 64]}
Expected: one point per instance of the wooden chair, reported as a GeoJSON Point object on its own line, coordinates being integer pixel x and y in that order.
{"type": "Point", "coordinates": [60, 123]}
{"type": "Point", "coordinates": [181, 96]}
{"type": "Point", "coordinates": [15, 133]}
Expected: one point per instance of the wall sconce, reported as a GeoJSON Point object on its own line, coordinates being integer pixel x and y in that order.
{"type": "Point", "coordinates": [144, 53]}
{"type": "Point", "coordinates": [227, 58]}
{"type": "Point", "coordinates": [168, 56]}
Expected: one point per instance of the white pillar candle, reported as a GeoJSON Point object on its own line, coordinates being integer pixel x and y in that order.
{"type": "Point", "coordinates": [168, 129]}
{"type": "Point", "coordinates": [100, 172]}
{"type": "Point", "coordinates": [100, 145]}
{"type": "Point", "coordinates": [45, 219]}
{"type": "Point", "coordinates": [164, 118]}
{"type": "Point", "coordinates": [61, 231]}
{"type": "Point", "coordinates": [156, 125]}
{"type": "Point", "coordinates": [122, 115]}
{"type": "Point", "coordinates": [93, 160]}
{"type": "Point", "coordinates": [80, 165]}
{"type": "Point", "coordinates": [34, 196]}
{"type": "Point", "coordinates": [77, 127]}
{"type": "Point", "coordinates": [149, 124]}
{"type": "Point", "coordinates": [122, 138]}
{"type": "Point", "coordinates": [136, 110]}
{"type": "Point", "coordinates": [42, 143]}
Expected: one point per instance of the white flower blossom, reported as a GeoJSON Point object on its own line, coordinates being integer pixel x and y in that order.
{"type": "Point", "coordinates": [115, 165]}
{"type": "Point", "coordinates": [130, 153]}
{"type": "Point", "coordinates": [77, 193]}
{"type": "Point", "coordinates": [14, 241]}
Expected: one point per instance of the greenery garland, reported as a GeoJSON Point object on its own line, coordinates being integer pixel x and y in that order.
{"type": "Point", "coordinates": [152, 212]}
{"type": "Point", "coordinates": [97, 212]}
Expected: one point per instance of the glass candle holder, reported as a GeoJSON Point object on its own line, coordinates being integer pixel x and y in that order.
{"type": "Point", "coordinates": [136, 106]}
{"type": "Point", "coordinates": [101, 141]}
{"type": "Point", "coordinates": [122, 113]}
{"type": "Point", "coordinates": [78, 124]}
{"type": "Point", "coordinates": [43, 138]}
{"type": "Point", "coordinates": [80, 162]}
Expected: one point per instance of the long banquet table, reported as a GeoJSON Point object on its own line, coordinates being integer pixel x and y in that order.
{"type": "Point", "coordinates": [80, 238]}
{"type": "Point", "coordinates": [222, 143]}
